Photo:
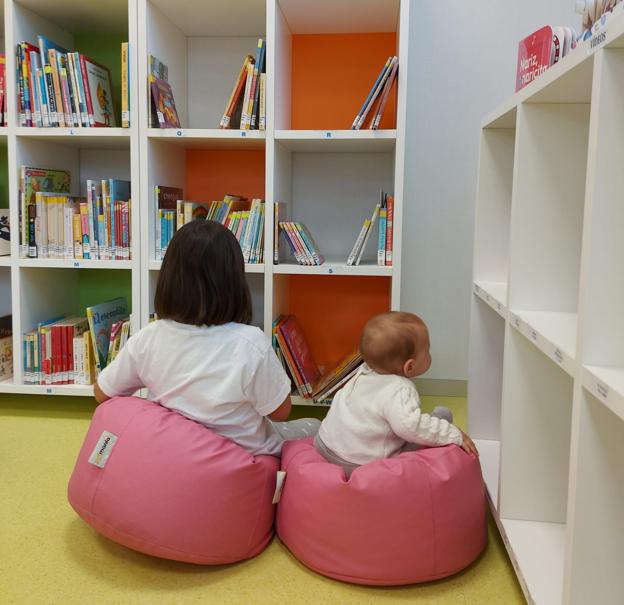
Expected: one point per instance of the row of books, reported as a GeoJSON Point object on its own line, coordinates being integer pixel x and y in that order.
{"type": "Point", "coordinates": [300, 242]}
{"type": "Point", "coordinates": [74, 350]}
{"type": "Point", "coordinates": [292, 349]}
{"type": "Point", "coordinates": [243, 217]}
{"type": "Point", "coordinates": [595, 14]}
{"type": "Point", "coordinates": [58, 88]}
{"type": "Point", "coordinates": [383, 213]}
{"type": "Point", "coordinates": [6, 347]}
{"type": "Point", "coordinates": [55, 224]}
{"type": "Point", "coordinates": [379, 94]}
{"type": "Point", "coordinates": [247, 103]}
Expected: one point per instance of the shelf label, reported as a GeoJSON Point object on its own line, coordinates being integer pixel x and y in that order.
{"type": "Point", "coordinates": [487, 297]}
{"type": "Point", "coordinates": [243, 133]}
{"type": "Point", "coordinates": [48, 391]}
{"type": "Point", "coordinates": [517, 322]}
{"type": "Point", "coordinates": [330, 270]}
{"type": "Point", "coordinates": [598, 40]}
{"type": "Point", "coordinates": [77, 264]}
{"type": "Point", "coordinates": [179, 133]}
{"type": "Point", "coordinates": [533, 334]}
{"type": "Point", "coordinates": [499, 306]}
{"type": "Point", "coordinates": [559, 357]}
{"type": "Point", "coordinates": [71, 131]}
{"type": "Point", "coordinates": [328, 134]}
{"type": "Point", "coordinates": [602, 389]}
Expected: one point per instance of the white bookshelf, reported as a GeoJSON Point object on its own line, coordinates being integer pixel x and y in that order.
{"type": "Point", "coordinates": [327, 177]}
{"type": "Point", "coordinates": [546, 384]}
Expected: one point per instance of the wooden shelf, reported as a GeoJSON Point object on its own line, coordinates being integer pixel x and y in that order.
{"type": "Point", "coordinates": [607, 385]}
{"type": "Point", "coordinates": [552, 333]}
{"type": "Point", "coordinates": [68, 390]}
{"type": "Point", "coordinates": [84, 138]}
{"type": "Point", "coordinates": [337, 141]}
{"type": "Point", "coordinates": [494, 294]}
{"type": "Point", "coordinates": [331, 267]}
{"type": "Point", "coordinates": [5, 261]}
{"type": "Point", "coordinates": [209, 138]}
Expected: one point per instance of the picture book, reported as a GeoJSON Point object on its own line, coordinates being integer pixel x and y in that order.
{"type": "Point", "coordinates": [157, 69]}
{"type": "Point", "coordinates": [337, 376]}
{"type": "Point", "coordinates": [534, 56]}
{"type": "Point", "coordinates": [125, 85]}
{"type": "Point", "coordinates": [166, 112]}
{"type": "Point", "coordinates": [99, 92]}
{"type": "Point", "coordinates": [167, 197]}
{"type": "Point", "coordinates": [101, 319]}
{"type": "Point", "coordinates": [300, 351]}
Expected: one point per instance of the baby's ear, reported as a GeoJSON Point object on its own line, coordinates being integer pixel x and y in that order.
{"type": "Point", "coordinates": [408, 367]}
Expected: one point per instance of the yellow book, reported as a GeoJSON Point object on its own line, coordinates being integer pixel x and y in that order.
{"type": "Point", "coordinates": [89, 359]}
{"type": "Point", "coordinates": [125, 90]}
{"type": "Point", "coordinates": [77, 231]}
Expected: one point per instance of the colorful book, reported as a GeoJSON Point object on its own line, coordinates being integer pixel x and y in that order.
{"type": "Point", "coordinates": [389, 230]}
{"type": "Point", "coordinates": [383, 220]}
{"type": "Point", "coordinates": [99, 91]}
{"type": "Point", "coordinates": [369, 96]}
{"type": "Point", "coordinates": [384, 96]}
{"type": "Point", "coordinates": [101, 319]}
{"type": "Point", "coordinates": [162, 96]}
{"type": "Point", "coordinates": [6, 347]}
{"type": "Point", "coordinates": [125, 85]}
{"type": "Point", "coordinates": [534, 56]}
{"type": "Point", "coordinates": [157, 70]}
{"type": "Point", "coordinates": [5, 232]}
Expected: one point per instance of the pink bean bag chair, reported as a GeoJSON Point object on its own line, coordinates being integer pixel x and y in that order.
{"type": "Point", "coordinates": [417, 517]}
{"type": "Point", "coordinates": [152, 480]}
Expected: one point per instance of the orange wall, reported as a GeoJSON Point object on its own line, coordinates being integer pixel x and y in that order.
{"type": "Point", "coordinates": [332, 310]}
{"type": "Point", "coordinates": [333, 73]}
{"type": "Point", "coordinates": [210, 174]}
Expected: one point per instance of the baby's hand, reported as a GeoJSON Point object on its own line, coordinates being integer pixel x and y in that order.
{"type": "Point", "coordinates": [468, 445]}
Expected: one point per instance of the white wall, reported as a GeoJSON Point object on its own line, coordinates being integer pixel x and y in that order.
{"type": "Point", "coordinates": [462, 65]}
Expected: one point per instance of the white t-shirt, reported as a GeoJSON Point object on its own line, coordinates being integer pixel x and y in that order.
{"type": "Point", "coordinates": [375, 415]}
{"type": "Point", "coordinates": [226, 377]}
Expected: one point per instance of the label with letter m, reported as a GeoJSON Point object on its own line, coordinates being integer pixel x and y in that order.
{"type": "Point", "coordinates": [103, 448]}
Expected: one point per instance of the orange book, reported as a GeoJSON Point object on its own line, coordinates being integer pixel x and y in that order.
{"type": "Point", "coordinates": [292, 366]}
{"type": "Point", "coordinates": [236, 92]}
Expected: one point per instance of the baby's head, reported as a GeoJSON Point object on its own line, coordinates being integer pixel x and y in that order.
{"type": "Point", "coordinates": [396, 343]}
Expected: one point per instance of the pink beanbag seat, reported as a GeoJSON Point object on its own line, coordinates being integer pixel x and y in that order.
{"type": "Point", "coordinates": [155, 481]}
{"type": "Point", "coordinates": [417, 517]}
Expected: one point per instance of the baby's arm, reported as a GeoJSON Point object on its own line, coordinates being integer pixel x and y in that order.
{"type": "Point", "coordinates": [409, 422]}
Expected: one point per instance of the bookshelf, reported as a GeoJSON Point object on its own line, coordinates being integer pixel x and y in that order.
{"type": "Point", "coordinates": [328, 176]}
{"type": "Point", "coordinates": [546, 385]}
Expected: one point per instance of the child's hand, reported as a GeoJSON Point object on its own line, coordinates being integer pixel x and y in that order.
{"type": "Point", "coordinates": [468, 445]}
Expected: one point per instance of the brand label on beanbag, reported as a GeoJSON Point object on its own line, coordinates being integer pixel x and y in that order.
{"type": "Point", "coordinates": [279, 484]}
{"type": "Point", "coordinates": [102, 449]}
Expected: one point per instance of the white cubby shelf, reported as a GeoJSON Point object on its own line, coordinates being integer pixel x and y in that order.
{"type": "Point", "coordinates": [326, 175]}
{"type": "Point", "coordinates": [546, 376]}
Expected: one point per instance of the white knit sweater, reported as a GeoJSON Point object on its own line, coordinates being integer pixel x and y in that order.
{"type": "Point", "coordinates": [375, 415]}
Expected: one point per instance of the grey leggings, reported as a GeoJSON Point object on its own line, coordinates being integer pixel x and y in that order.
{"type": "Point", "coordinates": [349, 467]}
{"type": "Point", "coordinates": [298, 429]}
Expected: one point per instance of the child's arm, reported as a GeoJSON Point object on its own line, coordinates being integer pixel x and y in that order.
{"type": "Point", "coordinates": [409, 422]}
{"type": "Point", "coordinates": [282, 412]}
{"type": "Point", "coordinates": [120, 378]}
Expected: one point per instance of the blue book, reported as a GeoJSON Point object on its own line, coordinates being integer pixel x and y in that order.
{"type": "Point", "coordinates": [45, 44]}
{"type": "Point", "coordinates": [381, 246]}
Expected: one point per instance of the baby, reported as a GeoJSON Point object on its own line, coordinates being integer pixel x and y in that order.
{"type": "Point", "coordinates": [377, 413]}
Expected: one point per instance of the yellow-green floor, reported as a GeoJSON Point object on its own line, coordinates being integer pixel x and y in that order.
{"type": "Point", "coordinates": [49, 556]}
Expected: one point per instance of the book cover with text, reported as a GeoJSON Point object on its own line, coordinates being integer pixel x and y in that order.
{"type": "Point", "coordinates": [534, 55]}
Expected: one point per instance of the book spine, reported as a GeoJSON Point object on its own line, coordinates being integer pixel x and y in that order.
{"type": "Point", "coordinates": [84, 109]}
{"type": "Point", "coordinates": [290, 362]}
{"type": "Point", "coordinates": [157, 235]}
{"type": "Point", "coordinates": [85, 80]}
{"type": "Point", "coordinates": [255, 89]}
{"type": "Point", "coordinates": [276, 211]}
{"type": "Point", "coordinates": [69, 121]}
{"type": "Point", "coordinates": [73, 76]}
{"type": "Point", "coordinates": [381, 247]}
{"type": "Point", "coordinates": [77, 232]}
{"type": "Point", "coordinates": [306, 256]}
{"type": "Point", "coordinates": [250, 72]}
{"type": "Point", "coordinates": [25, 113]}
{"type": "Point", "coordinates": [84, 221]}
{"type": "Point", "coordinates": [384, 98]}
{"type": "Point", "coordinates": [51, 97]}
{"type": "Point", "coordinates": [102, 236]}
{"type": "Point", "coordinates": [21, 109]}
{"type": "Point", "coordinates": [367, 236]}
{"type": "Point", "coordinates": [71, 93]}
{"type": "Point", "coordinates": [262, 112]}
{"type": "Point", "coordinates": [309, 244]}
{"type": "Point", "coordinates": [375, 94]}
{"type": "Point", "coordinates": [236, 91]}
{"type": "Point", "coordinates": [32, 241]}
{"type": "Point", "coordinates": [34, 88]}
{"type": "Point", "coordinates": [76, 360]}
{"type": "Point", "coordinates": [125, 221]}
{"type": "Point", "coordinates": [358, 242]}
{"type": "Point", "coordinates": [370, 94]}
{"type": "Point", "coordinates": [389, 230]}
{"type": "Point", "coordinates": [125, 97]}
{"type": "Point", "coordinates": [56, 87]}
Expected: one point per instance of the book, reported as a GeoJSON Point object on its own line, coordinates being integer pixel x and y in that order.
{"type": "Point", "coordinates": [368, 233]}
{"type": "Point", "coordinates": [234, 99]}
{"type": "Point", "coordinates": [6, 347]}
{"type": "Point", "coordinates": [301, 243]}
{"type": "Point", "coordinates": [3, 121]}
{"type": "Point", "coordinates": [384, 96]}
{"type": "Point", "coordinates": [165, 202]}
{"type": "Point", "coordinates": [375, 93]}
{"type": "Point", "coordinates": [5, 232]}
{"type": "Point", "coordinates": [389, 230]}
{"type": "Point", "coordinates": [166, 112]}
{"type": "Point", "coordinates": [381, 246]}
{"type": "Point", "coordinates": [99, 92]}
{"type": "Point", "coordinates": [101, 319]}
{"type": "Point", "coordinates": [534, 56]}
{"type": "Point", "coordinates": [337, 376]}
{"type": "Point", "coordinates": [157, 70]}
{"type": "Point", "coordinates": [300, 351]}
{"type": "Point", "coordinates": [125, 85]}
{"type": "Point", "coordinates": [45, 44]}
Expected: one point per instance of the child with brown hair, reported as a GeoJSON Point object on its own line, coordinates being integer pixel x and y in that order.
{"type": "Point", "coordinates": [377, 413]}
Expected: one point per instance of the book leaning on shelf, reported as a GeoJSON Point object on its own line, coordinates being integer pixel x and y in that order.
{"type": "Point", "coordinates": [57, 225]}
{"type": "Point", "coordinates": [383, 215]}
{"type": "Point", "coordinates": [58, 88]}
{"type": "Point", "coordinates": [247, 103]}
{"type": "Point", "coordinates": [294, 353]}
{"type": "Point", "coordinates": [3, 110]}
{"type": "Point", "coordinates": [74, 350]}
{"type": "Point", "coordinates": [377, 98]}
{"type": "Point", "coordinates": [6, 347]}
{"type": "Point", "coordinates": [301, 243]}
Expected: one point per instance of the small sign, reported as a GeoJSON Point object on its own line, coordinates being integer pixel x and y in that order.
{"type": "Point", "coordinates": [603, 390]}
{"type": "Point", "coordinates": [558, 355]}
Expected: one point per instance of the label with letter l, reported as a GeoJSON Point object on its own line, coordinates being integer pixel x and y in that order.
{"type": "Point", "coordinates": [102, 450]}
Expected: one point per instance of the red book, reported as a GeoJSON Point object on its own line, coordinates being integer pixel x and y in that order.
{"type": "Point", "coordinates": [290, 362]}
{"type": "Point", "coordinates": [56, 354]}
{"type": "Point", "coordinates": [534, 54]}
{"type": "Point", "coordinates": [64, 355]}
{"type": "Point", "coordinates": [87, 92]}
{"type": "Point", "coordinates": [389, 229]}
{"type": "Point", "coordinates": [300, 351]}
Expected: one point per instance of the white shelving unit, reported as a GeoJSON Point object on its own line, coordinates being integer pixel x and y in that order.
{"type": "Point", "coordinates": [41, 288]}
{"type": "Point", "coordinates": [546, 388]}
{"type": "Point", "coordinates": [327, 177]}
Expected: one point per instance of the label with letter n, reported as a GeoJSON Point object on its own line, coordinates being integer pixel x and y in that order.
{"type": "Point", "coordinates": [102, 450]}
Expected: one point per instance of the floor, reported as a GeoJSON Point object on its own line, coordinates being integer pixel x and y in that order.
{"type": "Point", "coordinates": [49, 556]}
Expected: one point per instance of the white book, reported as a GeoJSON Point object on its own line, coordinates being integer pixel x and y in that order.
{"type": "Point", "coordinates": [358, 242]}
{"type": "Point", "coordinates": [244, 114]}
{"type": "Point", "coordinates": [370, 229]}
{"type": "Point", "coordinates": [246, 239]}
